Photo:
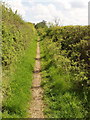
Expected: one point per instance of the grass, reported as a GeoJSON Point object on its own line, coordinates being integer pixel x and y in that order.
{"type": "Point", "coordinates": [17, 102]}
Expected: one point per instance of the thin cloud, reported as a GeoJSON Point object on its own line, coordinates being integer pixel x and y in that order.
{"type": "Point", "coordinates": [69, 11]}
{"type": "Point", "coordinates": [78, 4]}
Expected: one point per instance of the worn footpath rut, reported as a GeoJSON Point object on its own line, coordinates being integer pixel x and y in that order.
{"type": "Point", "coordinates": [36, 108]}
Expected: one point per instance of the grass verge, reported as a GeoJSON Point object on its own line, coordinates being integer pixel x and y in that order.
{"type": "Point", "coordinates": [16, 103]}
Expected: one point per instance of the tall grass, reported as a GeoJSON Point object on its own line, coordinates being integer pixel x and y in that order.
{"type": "Point", "coordinates": [19, 94]}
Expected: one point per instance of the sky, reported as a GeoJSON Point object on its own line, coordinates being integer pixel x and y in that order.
{"type": "Point", "coordinates": [68, 12]}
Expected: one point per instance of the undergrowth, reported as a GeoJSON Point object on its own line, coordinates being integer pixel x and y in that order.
{"type": "Point", "coordinates": [65, 76]}
{"type": "Point", "coordinates": [20, 81]}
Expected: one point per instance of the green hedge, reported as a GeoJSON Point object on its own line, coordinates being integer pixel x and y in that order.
{"type": "Point", "coordinates": [16, 34]}
{"type": "Point", "coordinates": [18, 57]}
{"type": "Point", "coordinates": [65, 64]}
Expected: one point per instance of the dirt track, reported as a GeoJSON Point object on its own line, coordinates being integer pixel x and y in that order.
{"type": "Point", "coordinates": [36, 108]}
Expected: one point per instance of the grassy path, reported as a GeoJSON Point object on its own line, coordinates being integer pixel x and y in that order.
{"type": "Point", "coordinates": [36, 108]}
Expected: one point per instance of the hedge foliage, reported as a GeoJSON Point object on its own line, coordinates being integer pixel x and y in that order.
{"type": "Point", "coordinates": [18, 57]}
{"type": "Point", "coordinates": [16, 35]}
{"type": "Point", "coordinates": [66, 71]}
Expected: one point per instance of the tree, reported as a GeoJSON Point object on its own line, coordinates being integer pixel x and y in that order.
{"type": "Point", "coordinates": [41, 24]}
{"type": "Point", "coordinates": [57, 21]}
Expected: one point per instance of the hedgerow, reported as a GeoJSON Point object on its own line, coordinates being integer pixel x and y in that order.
{"type": "Point", "coordinates": [65, 71]}
{"type": "Point", "coordinates": [18, 53]}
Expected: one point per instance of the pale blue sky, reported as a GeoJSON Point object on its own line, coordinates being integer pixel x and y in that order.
{"type": "Point", "coordinates": [70, 12]}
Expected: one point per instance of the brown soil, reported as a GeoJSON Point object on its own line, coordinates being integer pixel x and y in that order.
{"type": "Point", "coordinates": [36, 107]}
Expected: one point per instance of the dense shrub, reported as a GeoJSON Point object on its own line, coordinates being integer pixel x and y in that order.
{"type": "Point", "coordinates": [16, 34]}
{"type": "Point", "coordinates": [18, 53]}
{"type": "Point", "coordinates": [65, 64]}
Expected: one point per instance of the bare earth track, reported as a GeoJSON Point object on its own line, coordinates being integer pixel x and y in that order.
{"type": "Point", "coordinates": [36, 108]}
